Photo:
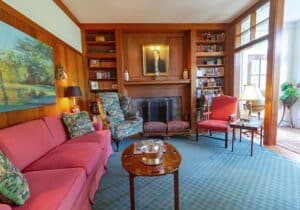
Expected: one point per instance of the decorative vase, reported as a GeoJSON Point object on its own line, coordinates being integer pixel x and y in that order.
{"type": "Point", "coordinates": [185, 74]}
{"type": "Point", "coordinates": [126, 76]}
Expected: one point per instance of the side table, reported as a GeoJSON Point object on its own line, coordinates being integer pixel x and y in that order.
{"type": "Point", "coordinates": [252, 126]}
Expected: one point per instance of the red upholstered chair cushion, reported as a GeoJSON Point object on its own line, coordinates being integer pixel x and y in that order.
{"type": "Point", "coordinates": [216, 125]}
{"type": "Point", "coordinates": [177, 125]}
{"type": "Point", "coordinates": [155, 127]}
{"type": "Point", "coordinates": [222, 107]}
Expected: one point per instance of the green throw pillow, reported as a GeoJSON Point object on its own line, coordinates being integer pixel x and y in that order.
{"type": "Point", "coordinates": [13, 185]}
{"type": "Point", "coordinates": [78, 124]}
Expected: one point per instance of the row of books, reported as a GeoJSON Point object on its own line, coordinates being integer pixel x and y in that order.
{"type": "Point", "coordinates": [209, 94]}
{"type": "Point", "coordinates": [213, 71]}
{"type": "Point", "coordinates": [103, 75]}
{"type": "Point", "coordinates": [210, 61]}
{"type": "Point", "coordinates": [211, 36]}
{"type": "Point", "coordinates": [210, 48]}
{"type": "Point", "coordinates": [209, 82]}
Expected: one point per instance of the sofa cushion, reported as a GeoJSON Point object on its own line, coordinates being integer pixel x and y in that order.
{"type": "Point", "coordinates": [54, 189]}
{"type": "Point", "coordinates": [13, 186]}
{"type": "Point", "coordinates": [26, 143]}
{"type": "Point", "coordinates": [84, 155]}
{"type": "Point", "coordinates": [102, 137]}
{"type": "Point", "coordinates": [56, 128]}
{"type": "Point", "coordinates": [216, 125]}
{"type": "Point", "coordinates": [78, 124]}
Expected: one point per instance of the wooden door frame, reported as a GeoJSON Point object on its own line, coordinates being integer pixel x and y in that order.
{"type": "Point", "coordinates": [273, 71]}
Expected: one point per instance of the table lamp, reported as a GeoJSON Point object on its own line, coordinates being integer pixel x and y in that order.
{"type": "Point", "coordinates": [251, 93]}
{"type": "Point", "coordinates": [73, 91]}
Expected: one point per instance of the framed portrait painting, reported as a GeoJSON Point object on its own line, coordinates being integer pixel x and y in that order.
{"type": "Point", "coordinates": [156, 59]}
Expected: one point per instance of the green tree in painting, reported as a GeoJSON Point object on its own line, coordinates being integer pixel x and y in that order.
{"type": "Point", "coordinates": [7, 71]}
{"type": "Point", "coordinates": [35, 56]}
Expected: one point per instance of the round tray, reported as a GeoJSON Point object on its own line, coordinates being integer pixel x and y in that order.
{"type": "Point", "coordinates": [151, 162]}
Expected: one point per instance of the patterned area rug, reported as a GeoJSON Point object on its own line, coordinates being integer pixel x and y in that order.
{"type": "Point", "coordinates": [210, 177]}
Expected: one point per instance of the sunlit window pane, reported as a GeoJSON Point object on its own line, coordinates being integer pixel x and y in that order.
{"type": "Point", "coordinates": [263, 81]}
{"type": "Point", "coordinates": [263, 67]}
{"type": "Point", "coordinates": [262, 29]}
{"type": "Point", "coordinates": [245, 38]}
{"type": "Point", "coordinates": [254, 80]}
{"type": "Point", "coordinates": [262, 13]}
{"type": "Point", "coordinates": [245, 25]}
{"type": "Point", "coordinates": [255, 67]}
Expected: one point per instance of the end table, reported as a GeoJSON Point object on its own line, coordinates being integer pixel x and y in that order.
{"type": "Point", "coordinates": [252, 125]}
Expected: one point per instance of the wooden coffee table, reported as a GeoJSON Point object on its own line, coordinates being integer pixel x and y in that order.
{"type": "Point", "coordinates": [170, 165]}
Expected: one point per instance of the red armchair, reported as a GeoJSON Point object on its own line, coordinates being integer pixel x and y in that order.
{"type": "Point", "coordinates": [222, 112]}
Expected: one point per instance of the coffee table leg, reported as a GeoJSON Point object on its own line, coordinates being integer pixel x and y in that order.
{"type": "Point", "coordinates": [252, 134]}
{"type": "Point", "coordinates": [233, 139]}
{"type": "Point", "coordinates": [131, 185]}
{"type": "Point", "coordinates": [176, 191]}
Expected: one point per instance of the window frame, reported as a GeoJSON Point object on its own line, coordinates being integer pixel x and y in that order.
{"type": "Point", "coordinates": [252, 29]}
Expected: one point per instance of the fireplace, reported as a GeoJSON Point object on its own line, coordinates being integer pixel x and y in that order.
{"type": "Point", "coordinates": [161, 109]}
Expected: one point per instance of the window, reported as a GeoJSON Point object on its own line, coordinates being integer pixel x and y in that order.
{"type": "Point", "coordinates": [257, 70]}
{"type": "Point", "coordinates": [253, 26]}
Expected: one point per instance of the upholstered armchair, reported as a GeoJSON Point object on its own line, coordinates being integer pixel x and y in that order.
{"type": "Point", "coordinates": [222, 112]}
{"type": "Point", "coordinates": [114, 111]}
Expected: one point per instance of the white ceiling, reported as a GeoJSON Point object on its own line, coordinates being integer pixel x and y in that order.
{"type": "Point", "coordinates": [157, 11]}
{"type": "Point", "coordinates": [291, 10]}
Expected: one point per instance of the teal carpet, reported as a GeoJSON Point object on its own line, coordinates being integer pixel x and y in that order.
{"type": "Point", "coordinates": [211, 177]}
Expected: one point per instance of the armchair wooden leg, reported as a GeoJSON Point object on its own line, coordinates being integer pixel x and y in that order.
{"type": "Point", "coordinates": [117, 144]}
{"type": "Point", "coordinates": [226, 140]}
{"type": "Point", "coordinates": [197, 134]}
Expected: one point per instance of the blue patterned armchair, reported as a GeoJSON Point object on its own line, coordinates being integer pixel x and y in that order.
{"type": "Point", "coordinates": [115, 110]}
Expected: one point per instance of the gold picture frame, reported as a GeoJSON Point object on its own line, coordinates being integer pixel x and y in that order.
{"type": "Point", "coordinates": [156, 58]}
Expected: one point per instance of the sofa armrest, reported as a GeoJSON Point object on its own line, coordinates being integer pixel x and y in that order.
{"type": "Point", "coordinates": [97, 125]}
{"type": "Point", "coordinates": [4, 206]}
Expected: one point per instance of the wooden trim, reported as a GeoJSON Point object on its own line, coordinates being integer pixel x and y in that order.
{"type": "Point", "coordinates": [193, 76]}
{"type": "Point", "coordinates": [249, 11]}
{"type": "Point", "coordinates": [251, 43]}
{"type": "Point", "coordinates": [66, 10]}
{"type": "Point", "coordinates": [273, 71]}
{"type": "Point", "coordinates": [159, 82]}
{"type": "Point", "coordinates": [153, 27]}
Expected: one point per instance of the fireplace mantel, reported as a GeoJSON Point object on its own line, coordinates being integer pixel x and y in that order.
{"type": "Point", "coordinates": [158, 82]}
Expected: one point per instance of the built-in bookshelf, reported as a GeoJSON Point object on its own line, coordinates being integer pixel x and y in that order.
{"type": "Point", "coordinates": [102, 63]}
{"type": "Point", "coordinates": [210, 61]}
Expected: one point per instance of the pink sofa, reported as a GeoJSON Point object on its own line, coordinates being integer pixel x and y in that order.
{"type": "Point", "coordinates": [62, 174]}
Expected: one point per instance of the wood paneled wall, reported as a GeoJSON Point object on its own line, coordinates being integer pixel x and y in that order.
{"type": "Point", "coordinates": [63, 54]}
{"type": "Point", "coordinates": [133, 56]}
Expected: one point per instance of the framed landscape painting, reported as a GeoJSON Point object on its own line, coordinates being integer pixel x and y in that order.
{"type": "Point", "coordinates": [26, 71]}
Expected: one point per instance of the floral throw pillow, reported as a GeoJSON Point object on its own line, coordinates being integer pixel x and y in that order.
{"type": "Point", "coordinates": [78, 124]}
{"type": "Point", "coordinates": [14, 188]}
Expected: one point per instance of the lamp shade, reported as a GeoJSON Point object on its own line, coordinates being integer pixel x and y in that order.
{"type": "Point", "coordinates": [251, 93]}
{"type": "Point", "coordinates": [73, 91]}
